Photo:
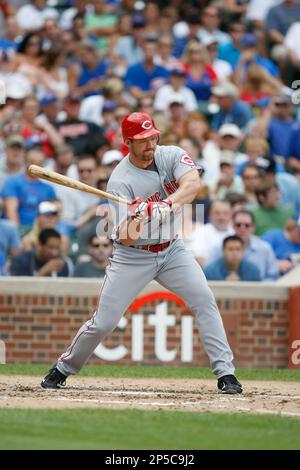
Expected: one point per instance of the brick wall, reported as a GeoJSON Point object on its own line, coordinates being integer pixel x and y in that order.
{"type": "Point", "coordinates": [39, 319]}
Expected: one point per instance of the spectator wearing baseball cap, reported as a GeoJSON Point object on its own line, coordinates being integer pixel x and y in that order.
{"type": "Point", "coordinates": [269, 215]}
{"type": "Point", "coordinates": [286, 244]}
{"type": "Point", "coordinates": [83, 136]}
{"type": "Point", "coordinates": [257, 152]}
{"type": "Point", "coordinates": [47, 217]}
{"type": "Point", "coordinates": [277, 124]}
{"type": "Point", "coordinates": [222, 68]}
{"type": "Point", "coordinates": [175, 88]}
{"type": "Point", "coordinates": [13, 160]}
{"type": "Point", "coordinates": [230, 138]}
{"type": "Point", "coordinates": [288, 185]}
{"type": "Point", "coordinates": [50, 107]}
{"type": "Point", "coordinates": [128, 48]}
{"type": "Point", "coordinates": [257, 76]}
{"type": "Point", "coordinates": [146, 77]}
{"type": "Point", "coordinates": [228, 180]}
{"type": "Point", "coordinates": [231, 109]}
{"type": "Point", "coordinates": [110, 160]}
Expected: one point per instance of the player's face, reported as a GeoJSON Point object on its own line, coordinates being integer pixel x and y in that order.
{"type": "Point", "coordinates": [143, 150]}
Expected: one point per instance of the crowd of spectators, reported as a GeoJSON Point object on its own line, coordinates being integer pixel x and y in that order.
{"type": "Point", "coordinates": [219, 77]}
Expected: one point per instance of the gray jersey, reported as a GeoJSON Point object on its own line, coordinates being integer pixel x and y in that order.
{"type": "Point", "coordinates": [129, 181]}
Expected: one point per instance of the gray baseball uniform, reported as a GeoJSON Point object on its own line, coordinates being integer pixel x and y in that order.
{"type": "Point", "coordinates": [132, 268]}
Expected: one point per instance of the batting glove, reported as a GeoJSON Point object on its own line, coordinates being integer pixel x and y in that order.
{"type": "Point", "coordinates": [160, 210]}
{"type": "Point", "coordinates": [138, 209]}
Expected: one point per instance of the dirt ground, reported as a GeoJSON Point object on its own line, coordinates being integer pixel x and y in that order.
{"type": "Point", "coordinates": [281, 398]}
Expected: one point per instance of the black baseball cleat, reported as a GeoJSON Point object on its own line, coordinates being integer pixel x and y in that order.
{"type": "Point", "coordinates": [229, 384]}
{"type": "Point", "coordinates": [54, 379]}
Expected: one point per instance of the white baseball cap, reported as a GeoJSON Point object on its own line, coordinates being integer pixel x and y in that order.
{"type": "Point", "coordinates": [226, 89]}
{"type": "Point", "coordinates": [47, 208]}
{"type": "Point", "coordinates": [111, 156]}
{"type": "Point", "coordinates": [230, 129]}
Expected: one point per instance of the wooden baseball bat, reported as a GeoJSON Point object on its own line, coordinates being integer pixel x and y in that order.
{"type": "Point", "coordinates": [49, 175]}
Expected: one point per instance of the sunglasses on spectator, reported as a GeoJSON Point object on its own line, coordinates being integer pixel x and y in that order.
{"type": "Point", "coordinates": [251, 177]}
{"type": "Point", "coordinates": [96, 245]}
{"type": "Point", "coordinates": [33, 43]}
{"type": "Point", "coordinates": [212, 15]}
{"type": "Point", "coordinates": [85, 170]}
{"type": "Point", "coordinates": [241, 224]}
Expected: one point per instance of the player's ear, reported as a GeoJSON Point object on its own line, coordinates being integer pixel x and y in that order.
{"type": "Point", "coordinates": [127, 142]}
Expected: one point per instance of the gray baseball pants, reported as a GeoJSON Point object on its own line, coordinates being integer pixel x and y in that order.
{"type": "Point", "coordinates": [130, 271]}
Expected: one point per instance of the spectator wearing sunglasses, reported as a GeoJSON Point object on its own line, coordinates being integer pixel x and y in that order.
{"type": "Point", "coordinates": [257, 251]}
{"type": "Point", "coordinates": [99, 249]}
{"type": "Point", "coordinates": [276, 124]}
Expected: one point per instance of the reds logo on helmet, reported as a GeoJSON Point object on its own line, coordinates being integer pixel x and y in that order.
{"type": "Point", "coordinates": [147, 125]}
{"type": "Point", "coordinates": [138, 126]}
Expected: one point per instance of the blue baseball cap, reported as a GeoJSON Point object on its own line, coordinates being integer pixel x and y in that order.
{"type": "Point", "coordinates": [48, 99]}
{"type": "Point", "coordinates": [248, 40]}
{"type": "Point", "coordinates": [109, 106]}
{"type": "Point", "coordinates": [138, 20]}
{"type": "Point", "coordinates": [296, 217]}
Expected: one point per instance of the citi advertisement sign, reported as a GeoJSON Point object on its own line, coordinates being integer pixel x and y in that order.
{"type": "Point", "coordinates": [161, 320]}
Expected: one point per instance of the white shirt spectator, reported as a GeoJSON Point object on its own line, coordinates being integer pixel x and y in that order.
{"type": "Point", "coordinates": [166, 93]}
{"type": "Point", "coordinates": [222, 68]}
{"type": "Point", "coordinates": [31, 18]}
{"type": "Point", "coordinates": [258, 10]}
{"type": "Point", "coordinates": [91, 109]}
{"type": "Point", "coordinates": [204, 239]}
{"type": "Point", "coordinates": [291, 40]}
{"type": "Point", "coordinates": [221, 37]}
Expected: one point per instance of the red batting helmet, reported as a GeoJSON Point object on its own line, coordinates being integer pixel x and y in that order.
{"type": "Point", "coordinates": [138, 126]}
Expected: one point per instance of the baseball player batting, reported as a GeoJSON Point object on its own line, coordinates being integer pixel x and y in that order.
{"type": "Point", "coordinates": [158, 180]}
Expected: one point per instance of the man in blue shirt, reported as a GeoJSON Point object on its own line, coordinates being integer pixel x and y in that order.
{"type": "Point", "coordinates": [294, 149]}
{"type": "Point", "coordinates": [256, 250]}
{"type": "Point", "coordinates": [129, 47]}
{"type": "Point", "coordinates": [250, 56]}
{"type": "Point", "coordinates": [10, 242]}
{"type": "Point", "coordinates": [280, 18]}
{"type": "Point", "coordinates": [231, 109]}
{"type": "Point", "coordinates": [276, 125]}
{"type": "Point", "coordinates": [285, 244]}
{"type": "Point", "coordinates": [232, 266]}
{"type": "Point", "coordinates": [22, 194]}
{"type": "Point", "coordinates": [288, 185]}
{"type": "Point", "coordinates": [146, 77]}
